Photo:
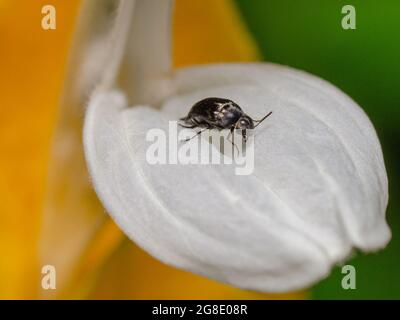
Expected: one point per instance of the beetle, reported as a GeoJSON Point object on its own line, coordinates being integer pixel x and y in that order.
{"type": "Point", "coordinates": [219, 113]}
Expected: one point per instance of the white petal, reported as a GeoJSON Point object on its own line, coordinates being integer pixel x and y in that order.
{"type": "Point", "coordinates": [318, 190]}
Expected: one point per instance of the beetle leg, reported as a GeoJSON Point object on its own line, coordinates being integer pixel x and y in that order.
{"type": "Point", "coordinates": [189, 127]}
{"type": "Point", "coordinates": [233, 138]}
{"type": "Point", "coordinates": [187, 123]}
{"type": "Point", "coordinates": [188, 139]}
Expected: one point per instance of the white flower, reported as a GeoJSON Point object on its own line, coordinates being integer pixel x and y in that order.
{"type": "Point", "coordinates": [318, 190]}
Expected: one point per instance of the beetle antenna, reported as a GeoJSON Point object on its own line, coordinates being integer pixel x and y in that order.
{"type": "Point", "coordinates": [259, 121]}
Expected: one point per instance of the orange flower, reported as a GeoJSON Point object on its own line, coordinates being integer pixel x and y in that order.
{"type": "Point", "coordinates": [93, 258]}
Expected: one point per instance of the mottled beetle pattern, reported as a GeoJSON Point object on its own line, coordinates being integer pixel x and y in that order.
{"type": "Point", "coordinates": [219, 113]}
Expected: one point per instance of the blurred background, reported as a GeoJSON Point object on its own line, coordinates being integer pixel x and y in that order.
{"type": "Point", "coordinates": [50, 215]}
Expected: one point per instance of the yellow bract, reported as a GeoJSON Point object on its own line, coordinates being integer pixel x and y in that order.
{"type": "Point", "coordinates": [32, 64]}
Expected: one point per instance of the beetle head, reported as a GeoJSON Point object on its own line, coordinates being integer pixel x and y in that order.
{"type": "Point", "coordinates": [244, 123]}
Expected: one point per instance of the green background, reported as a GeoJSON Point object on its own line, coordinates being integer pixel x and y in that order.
{"type": "Point", "coordinates": [364, 63]}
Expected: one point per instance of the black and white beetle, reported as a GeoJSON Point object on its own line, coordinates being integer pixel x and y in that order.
{"type": "Point", "coordinates": [219, 113]}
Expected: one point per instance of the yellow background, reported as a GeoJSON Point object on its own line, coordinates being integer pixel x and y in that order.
{"type": "Point", "coordinates": [33, 64]}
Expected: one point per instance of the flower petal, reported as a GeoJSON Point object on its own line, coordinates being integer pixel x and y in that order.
{"type": "Point", "coordinates": [319, 185]}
